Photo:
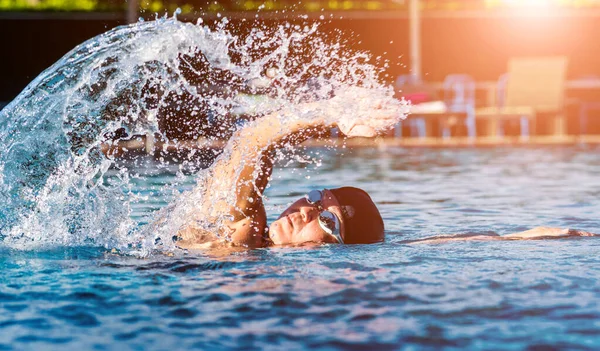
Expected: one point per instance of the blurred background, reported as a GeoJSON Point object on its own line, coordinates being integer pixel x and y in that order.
{"type": "Point", "coordinates": [471, 68]}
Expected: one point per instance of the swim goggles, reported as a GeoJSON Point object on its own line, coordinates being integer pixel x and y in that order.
{"type": "Point", "coordinates": [328, 221]}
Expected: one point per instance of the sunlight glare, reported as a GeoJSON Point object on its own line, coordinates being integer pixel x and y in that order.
{"type": "Point", "coordinates": [530, 3]}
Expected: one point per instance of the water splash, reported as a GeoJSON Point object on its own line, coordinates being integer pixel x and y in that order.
{"type": "Point", "coordinates": [145, 78]}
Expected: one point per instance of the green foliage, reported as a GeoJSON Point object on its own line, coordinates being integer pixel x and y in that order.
{"type": "Point", "coordinates": [49, 5]}
{"type": "Point", "coordinates": [195, 6]}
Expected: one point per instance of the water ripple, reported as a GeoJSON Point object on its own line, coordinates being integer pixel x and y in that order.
{"type": "Point", "coordinates": [523, 295]}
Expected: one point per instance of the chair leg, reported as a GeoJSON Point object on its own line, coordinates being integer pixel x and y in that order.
{"type": "Point", "coordinates": [471, 127]}
{"type": "Point", "coordinates": [413, 128]}
{"type": "Point", "coordinates": [444, 127]}
{"type": "Point", "coordinates": [422, 128]}
{"type": "Point", "coordinates": [445, 133]}
{"type": "Point", "coordinates": [500, 128]}
{"type": "Point", "coordinates": [398, 130]}
{"type": "Point", "coordinates": [417, 128]}
{"type": "Point", "coordinates": [524, 127]}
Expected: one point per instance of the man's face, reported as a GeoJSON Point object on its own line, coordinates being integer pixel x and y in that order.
{"type": "Point", "coordinates": [299, 223]}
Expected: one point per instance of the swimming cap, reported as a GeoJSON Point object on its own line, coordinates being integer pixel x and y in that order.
{"type": "Point", "coordinates": [362, 221]}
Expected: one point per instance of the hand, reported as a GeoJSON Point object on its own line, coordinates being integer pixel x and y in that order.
{"type": "Point", "coordinates": [365, 112]}
{"type": "Point", "coordinates": [548, 232]}
{"type": "Point", "coordinates": [539, 232]}
{"type": "Point", "coordinates": [369, 127]}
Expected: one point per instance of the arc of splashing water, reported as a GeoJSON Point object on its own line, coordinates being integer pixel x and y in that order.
{"type": "Point", "coordinates": [50, 163]}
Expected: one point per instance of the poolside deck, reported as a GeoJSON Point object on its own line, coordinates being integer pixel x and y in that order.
{"type": "Point", "coordinates": [455, 142]}
{"type": "Point", "coordinates": [140, 145]}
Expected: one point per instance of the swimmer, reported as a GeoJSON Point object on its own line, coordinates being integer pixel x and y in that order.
{"type": "Point", "coordinates": [345, 215]}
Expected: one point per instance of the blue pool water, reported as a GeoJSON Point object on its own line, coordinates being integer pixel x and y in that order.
{"type": "Point", "coordinates": [514, 295]}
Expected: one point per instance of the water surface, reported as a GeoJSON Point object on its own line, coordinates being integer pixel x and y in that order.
{"type": "Point", "coordinates": [538, 295]}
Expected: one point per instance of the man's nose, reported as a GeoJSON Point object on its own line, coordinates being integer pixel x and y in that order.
{"type": "Point", "coordinates": [308, 213]}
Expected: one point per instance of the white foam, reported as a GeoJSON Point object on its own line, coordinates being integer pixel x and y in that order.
{"type": "Point", "coordinates": [52, 183]}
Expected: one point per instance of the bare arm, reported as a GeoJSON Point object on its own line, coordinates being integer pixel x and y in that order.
{"type": "Point", "coordinates": [245, 170]}
{"type": "Point", "coordinates": [538, 233]}
{"type": "Point", "coordinates": [547, 233]}
{"type": "Point", "coordinates": [254, 146]}
{"type": "Point", "coordinates": [241, 174]}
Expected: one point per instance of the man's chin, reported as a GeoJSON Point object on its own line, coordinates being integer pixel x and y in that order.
{"type": "Point", "coordinates": [279, 239]}
{"type": "Point", "coordinates": [277, 242]}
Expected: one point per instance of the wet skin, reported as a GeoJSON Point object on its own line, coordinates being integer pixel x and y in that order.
{"type": "Point", "coordinates": [299, 223]}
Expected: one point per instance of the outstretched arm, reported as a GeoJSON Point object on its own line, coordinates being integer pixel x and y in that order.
{"type": "Point", "coordinates": [538, 233]}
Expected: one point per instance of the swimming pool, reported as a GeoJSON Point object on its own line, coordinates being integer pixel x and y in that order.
{"type": "Point", "coordinates": [466, 295]}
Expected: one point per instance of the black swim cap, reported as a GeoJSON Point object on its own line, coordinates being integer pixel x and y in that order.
{"type": "Point", "coordinates": [362, 221]}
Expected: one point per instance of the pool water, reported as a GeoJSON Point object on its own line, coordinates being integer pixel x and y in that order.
{"type": "Point", "coordinates": [513, 295]}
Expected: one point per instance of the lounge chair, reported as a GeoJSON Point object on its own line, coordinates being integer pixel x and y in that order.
{"type": "Point", "coordinates": [533, 86]}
